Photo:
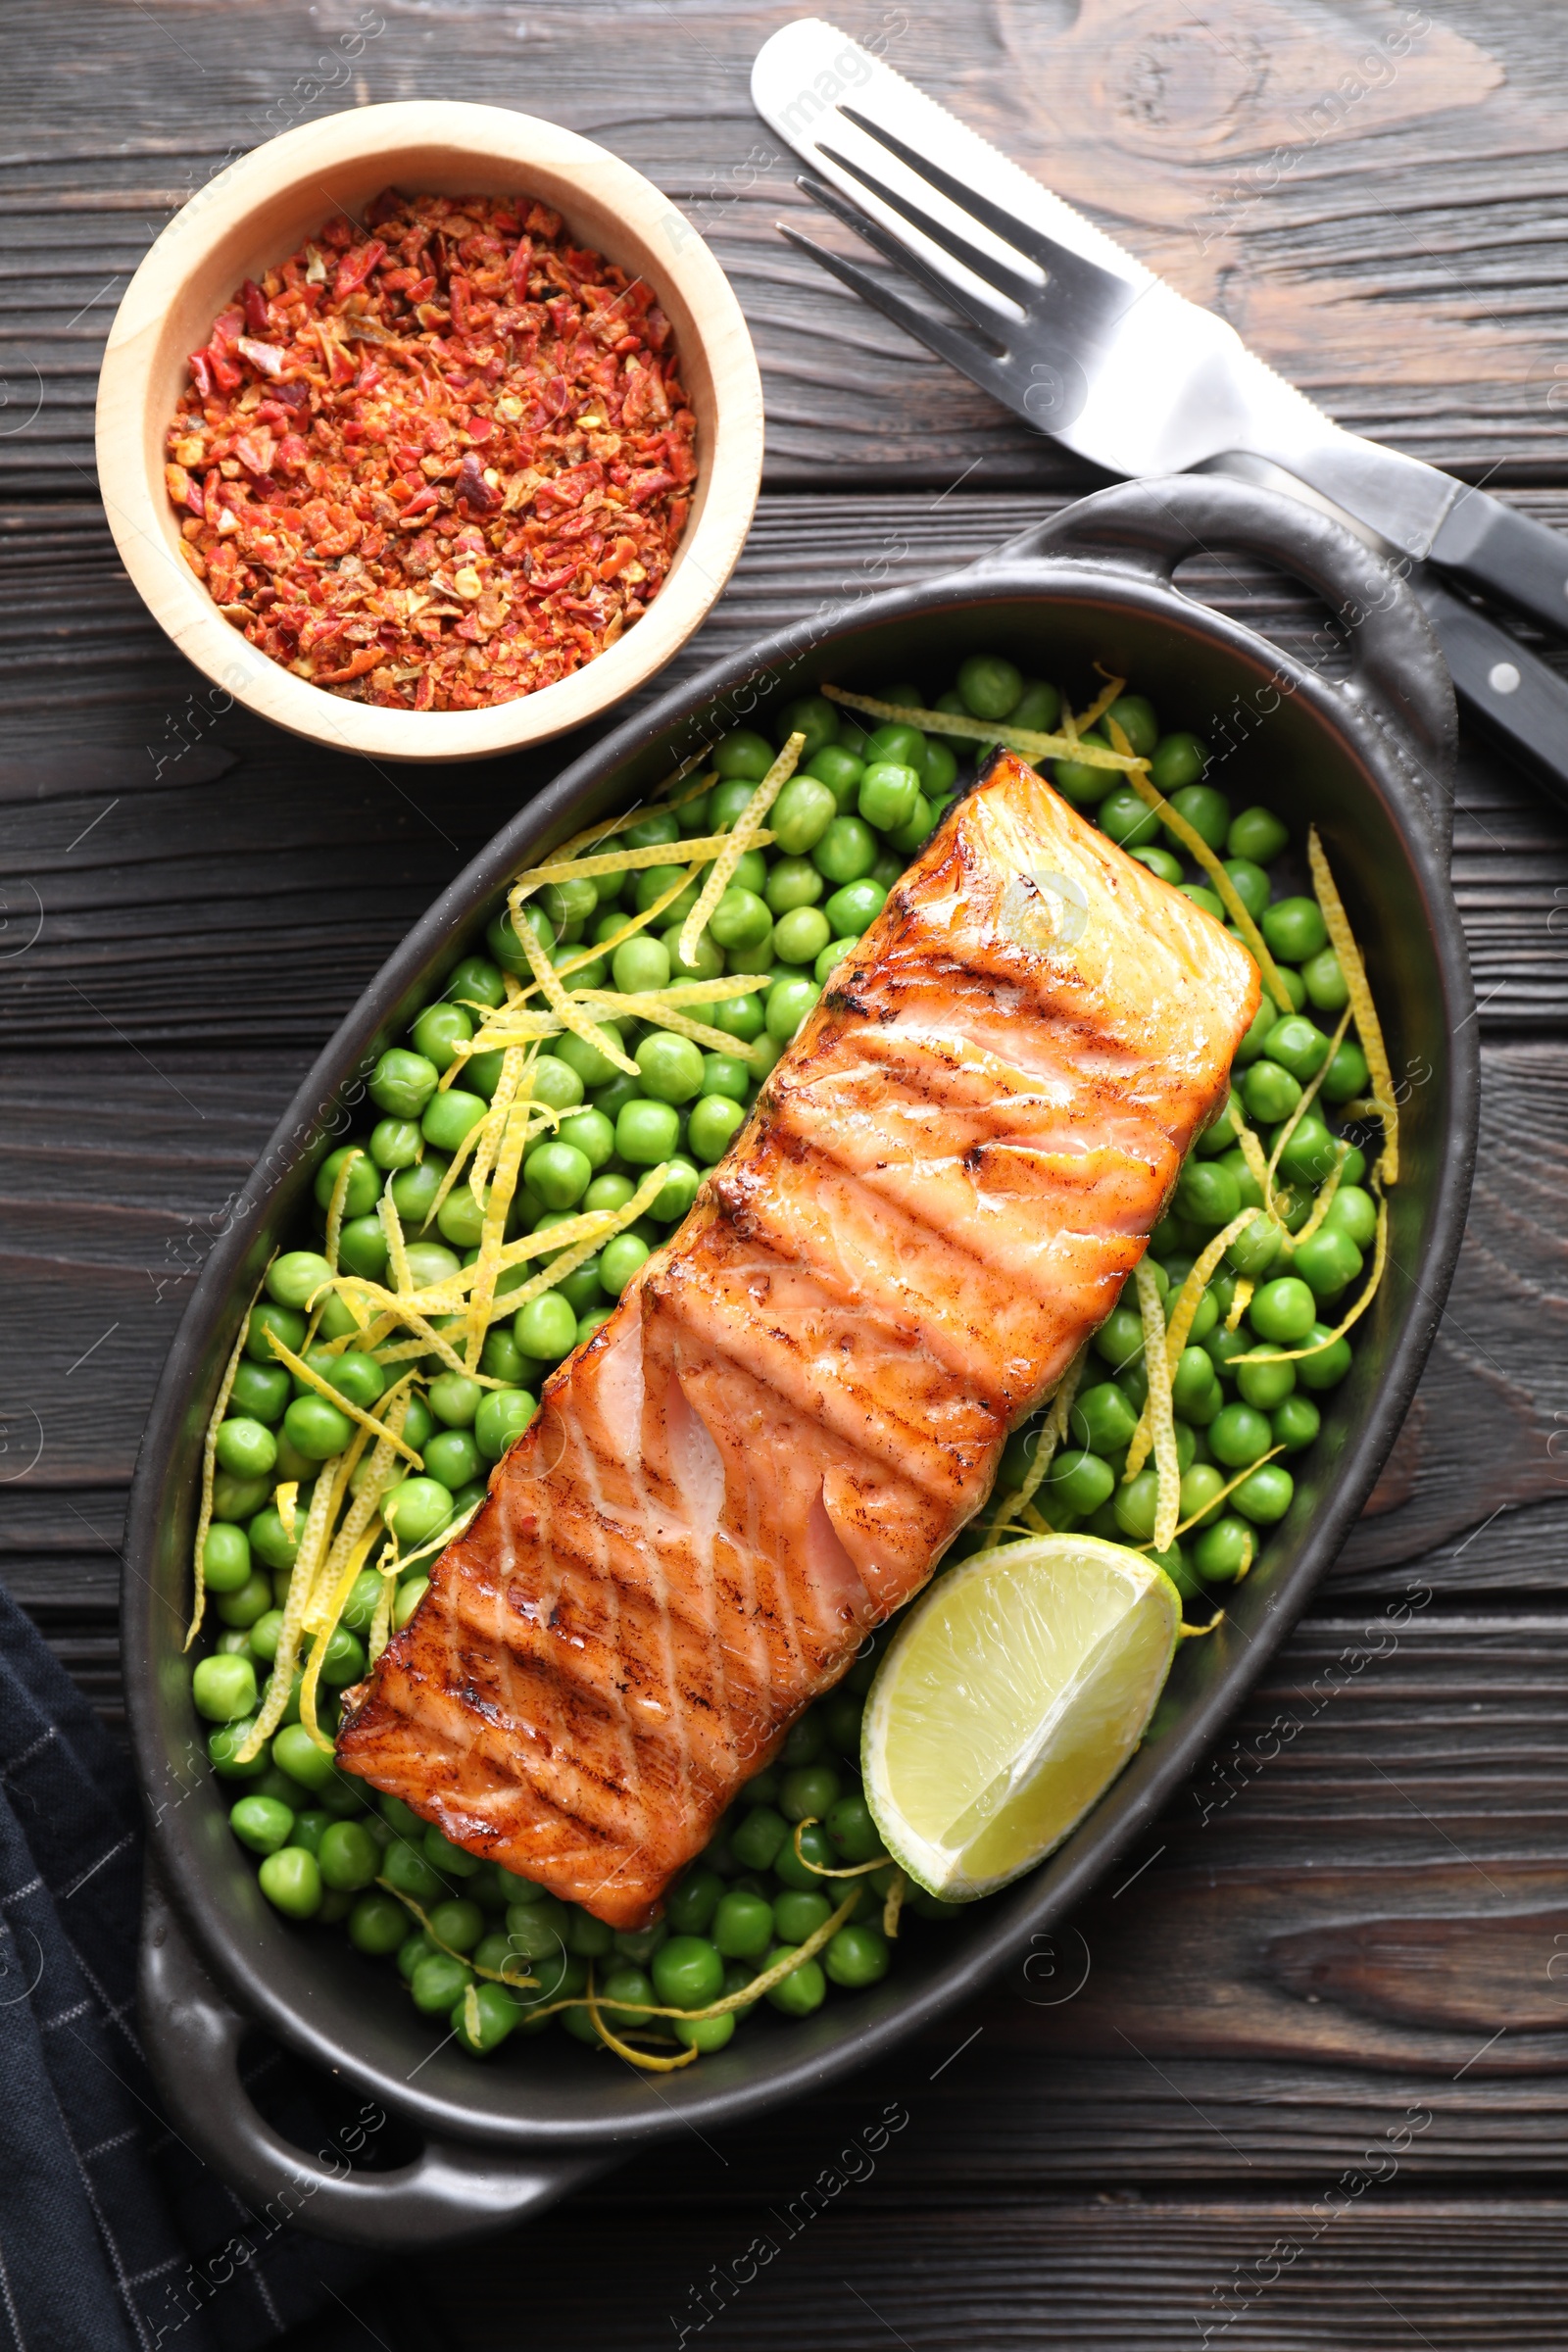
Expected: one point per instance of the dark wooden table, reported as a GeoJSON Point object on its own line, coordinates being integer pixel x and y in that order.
{"type": "Point", "coordinates": [1310, 2092]}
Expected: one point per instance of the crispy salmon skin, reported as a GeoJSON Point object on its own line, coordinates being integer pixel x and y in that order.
{"type": "Point", "coordinates": [803, 1396]}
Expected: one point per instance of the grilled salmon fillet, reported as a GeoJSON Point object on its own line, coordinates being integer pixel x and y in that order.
{"type": "Point", "coordinates": [803, 1396]}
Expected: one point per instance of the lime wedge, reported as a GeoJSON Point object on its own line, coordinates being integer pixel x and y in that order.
{"type": "Point", "coordinates": [1009, 1700]}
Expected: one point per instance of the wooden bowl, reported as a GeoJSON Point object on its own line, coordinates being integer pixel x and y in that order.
{"type": "Point", "coordinates": [252, 218]}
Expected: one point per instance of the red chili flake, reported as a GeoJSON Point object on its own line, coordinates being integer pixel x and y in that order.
{"type": "Point", "coordinates": [464, 462]}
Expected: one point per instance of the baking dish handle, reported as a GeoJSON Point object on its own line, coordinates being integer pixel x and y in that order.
{"type": "Point", "coordinates": [452, 2190]}
{"type": "Point", "coordinates": [1397, 673]}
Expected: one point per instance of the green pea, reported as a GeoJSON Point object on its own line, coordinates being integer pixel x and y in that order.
{"type": "Point", "coordinates": [476, 980]}
{"type": "Point", "coordinates": [263, 1638]}
{"type": "Point", "coordinates": [235, 1499]}
{"type": "Point", "coordinates": [450, 1116]}
{"type": "Point", "coordinates": [452, 1458]}
{"type": "Point", "coordinates": [679, 1191]}
{"type": "Point", "coordinates": [690, 1904]}
{"type": "Point", "coordinates": [1207, 1193]}
{"type": "Point", "coordinates": [740, 1017]}
{"type": "Point", "coordinates": [789, 1001]}
{"type": "Point", "coordinates": [810, 1790]}
{"type": "Point", "coordinates": [1295, 1423]}
{"type": "Point", "coordinates": [1354, 1213]}
{"type": "Point", "coordinates": [1239, 1436]}
{"type": "Point", "coordinates": [852, 909]}
{"type": "Point", "coordinates": [1082, 781]}
{"type": "Point", "coordinates": [1194, 1387]}
{"type": "Point", "coordinates": [439, 1031]}
{"type": "Point", "coordinates": [802, 813]}
{"type": "Point", "coordinates": [1308, 1153]}
{"type": "Point", "coordinates": [1327, 1366]}
{"type": "Point", "coordinates": [838, 767]}
{"type": "Point", "coordinates": [1201, 1484]}
{"type": "Point", "coordinates": [457, 1922]}
{"type": "Point", "coordinates": [429, 1262]}
{"type": "Point", "coordinates": [262, 1823]}
{"type": "Point", "coordinates": [857, 1956]}
{"type": "Point", "coordinates": [811, 716]}
{"type": "Point", "coordinates": [831, 958]}
{"type": "Point", "coordinates": [1329, 1261]}
{"type": "Point", "coordinates": [745, 755]}
{"type": "Point", "coordinates": [558, 1173]}
{"type": "Point", "coordinates": [805, 931]}
{"type": "Point", "coordinates": [588, 1065]}
{"type": "Point", "coordinates": [1081, 1483]}
{"type": "Point", "coordinates": [759, 1836]}
{"type": "Point", "coordinates": [261, 1392]}
{"type": "Point", "coordinates": [501, 1420]}
{"type": "Point", "coordinates": [343, 1660]}
{"type": "Point", "coordinates": [1136, 1504]}
{"type": "Point", "coordinates": [222, 1744]}
{"type": "Point", "coordinates": [363, 1248]}
{"type": "Point", "coordinates": [742, 1926]}
{"type": "Point", "coordinates": [1257, 835]}
{"type": "Point", "coordinates": [846, 851]}
{"type": "Point", "coordinates": [1269, 1092]}
{"type": "Point", "coordinates": [404, 1867]}
{"type": "Point", "coordinates": [626, 1995]}
{"type": "Point", "coordinates": [1222, 1552]}
{"type": "Point", "coordinates": [1177, 762]}
{"type": "Point", "coordinates": [729, 804]}
{"type": "Point", "coordinates": [725, 1074]}
{"type": "Point", "coordinates": [376, 1925]}
{"type": "Point", "coordinates": [801, 1992]}
{"type": "Point", "coordinates": [619, 1259]}
{"type": "Point", "coordinates": [671, 1067]}
{"type": "Point", "coordinates": [438, 1983]}
{"type": "Point", "coordinates": [652, 885]}
{"type": "Point", "coordinates": [1161, 863]}
{"type": "Point", "coordinates": [646, 1132]}
{"type": "Point", "coordinates": [419, 1507]}
{"type": "Point", "coordinates": [401, 1083]}
{"type": "Point", "coordinates": [806, 1742]}
{"type": "Point", "coordinates": [414, 1192]}
{"type": "Point", "coordinates": [291, 1882]}
{"type": "Point", "coordinates": [455, 1399]}
{"type": "Point", "coordinates": [1264, 1386]}
{"type": "Point", "coordinates": [655, 827]}
{"type": "Point", "coordinates": [1251, 884]}
{"type": "Point", "coordinates": [1121, 1337]}
{"type": "Point", "coordinates": [1207, 810]}
{"type": "Point", "coordinates": [797, 1915]}
{"type": "Point", "coordinates": [1223, 1347]}
{"type": "Point", "coordinates": [316, 1429]}
{"type": "Point", "coordinates": [546, 1328]}
{"type": "Point", "coordinates": [1252, 1045]}
{"type": "Point", "coordinates": [1038, 709]}
{"type": "Point", "coordinates": [1283, 1311]}
{"type": "Point", "coordinates": [1125, 817]}
{"type": "Point", "coordinates": [640, 965]}
{"type": "Point", "coordinates": [791, 883]}
{"type": "Point", "coordinates": [251, 1601]}
{"type": "Point", "coordinates": [1298, 1044]}
{"type": "Point", "coordinates": [1102, 1421]}
{"type": "Point", "coordinates": [1209, 902]}
{"type": "Point", "coordinates": [347, 1857]}
{"type": "Point", "coordinates": [688, 1972]}
{"type": "Point", "coordinates": [363, 1185]}
{"type": "Point", "coordinates": [888, 795]}
{"type": "Point", "coordinates": [294, 1279]}
{"type": "Point", "coordinates": [716, 1121]}
{"type": "Point", "coordinates": [225, 1558]}
{"type": "Point", "coordinates": [536, 1927]}
{"type": "Point", "coordinates": [359, 1611]}
{"type": "Point", "coordinates": [1257, 1248]}
{"type": "Point", "coordinates": [1265, 1497]}
{"type": "Point", "coordinates": [355, 1376]}
{"type": "Point", "coordinates": [336, 1321]}
{"type": "Point", "coordinates": [1347, 1074]}
{"type": "Point", "coordinates": [989, 686]}
{"type": "Point", "coordinates": [639, 1944]}
{"type": "Point", "coordinates": [502, 940]}
{"type": "Point", "coordinates": [1295, 929]}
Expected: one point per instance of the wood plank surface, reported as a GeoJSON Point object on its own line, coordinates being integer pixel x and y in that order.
{"type": "Point", "coordinates": [1297, 2082]}
{"type": "Point", "coordinates": [1371, 193]}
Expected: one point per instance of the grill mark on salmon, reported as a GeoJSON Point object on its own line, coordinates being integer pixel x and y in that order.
{"type": "Point", "coordinates": [803, 1397]}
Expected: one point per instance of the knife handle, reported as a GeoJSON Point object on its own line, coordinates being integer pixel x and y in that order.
{"type": "Point", "coordinates": [1495, 549]}
{"type": "Point", "coordinates": [1517, 699]}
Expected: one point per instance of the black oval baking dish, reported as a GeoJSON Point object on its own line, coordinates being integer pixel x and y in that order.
{"type": "Point", "coordinates": [1370, 761]}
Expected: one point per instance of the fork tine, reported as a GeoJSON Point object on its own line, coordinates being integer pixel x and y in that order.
{"type": "Point", "coordinates": [984, 315]}
{"type": "Point", "coordinates": [1021, 291]}
{"type": "Point", "coordinates": [1081, 278]}
{"type": "Point", "coordinates": [959, 349]}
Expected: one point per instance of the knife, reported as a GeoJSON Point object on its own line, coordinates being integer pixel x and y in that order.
{"type": "Point", "coordinates": [1091, 347]}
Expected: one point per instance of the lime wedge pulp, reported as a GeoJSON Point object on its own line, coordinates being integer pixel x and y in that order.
{"type": "Point", "coordinates": [1008, 1701]}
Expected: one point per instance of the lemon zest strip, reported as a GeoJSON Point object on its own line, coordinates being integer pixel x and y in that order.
{"type": "Point", "coordinates": [1184, 1314]}
{"type": "Point", "coordinates": [1368, 1027]}
{"type": "Point", "coordinates": [204, 1515]}
{"type": "Point", "coordinates": [747, 828]}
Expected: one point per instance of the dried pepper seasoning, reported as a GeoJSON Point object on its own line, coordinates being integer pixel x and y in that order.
{"type": "Point", "coordinates": [439, 458]}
